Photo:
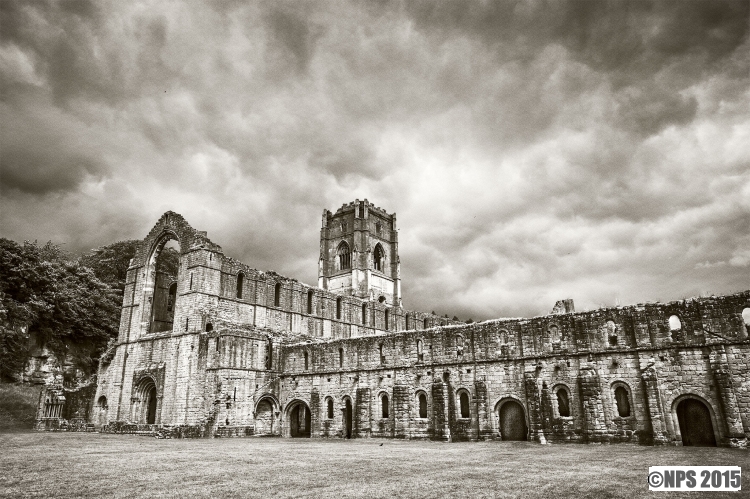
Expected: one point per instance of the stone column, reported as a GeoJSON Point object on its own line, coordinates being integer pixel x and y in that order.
{"type": "Point", "coordinates": [595, 428]}
{"type": "Point", "coordinates": [362, 421]}
{"type": "Point", "coordinates": [655, 411]}
{"type": "Point", "coordinates": [534, 403]}
{"type": "Point", "coordinates": [727, 397]}
{"type": "Point", "coordinates": [401, 409]}
{"type": "Point", "coordinates": [441, 411]}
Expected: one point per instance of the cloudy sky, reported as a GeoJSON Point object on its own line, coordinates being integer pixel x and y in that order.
{"type": "Point", "coordinates": [532, 151]}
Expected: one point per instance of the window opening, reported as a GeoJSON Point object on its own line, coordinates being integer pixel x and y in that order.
{"type": "Point", "coordinates": [378, 258]}
{"type": "Point", "coordinates": [674, 323]}
{"type": "Point", "coordinates": [422, 405]}
{"type": "Point", "coordinates": [623, 402]}
{"type": "Point", "coordinates": [277, 295]}
{"type": "Point", "coordinates": [563, 403]}
{"type": "Point", "coordinates": [420, 351]}
{"type": "Point", "coordinates": [364, 314]}
{"type": "Point", "coordinates": [386, 318]}
{"type": "Point", "coordinates": [341, 357]}
{"type": "Point", "coordinates": [240, 282]}
{"type": "Point", "coordinates": [338, 308]}
{"type": "Point", "coordinates": [330, 409]}
{"type": "Point", "coordinates": [306, 361]}
{"type": "Point", "coordinates": [309, 301]}
{"type": "Point", "coordinates": [464, 403]}
{"type": "Point", "coordinates": [345, 257]}
{"type": "Point", "coordinates": [382, 355]}
{"type": "Point", "coordinates": [384, 406]}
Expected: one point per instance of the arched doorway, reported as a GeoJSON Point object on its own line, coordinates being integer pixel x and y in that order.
{"type": "Point", "coordinates": [151, 407]}
{"type": "Point", "coordinates": [265, 419]}
{"type": "Point", "coordinates": [146, 403]}
{"type": "Point", "coordinates": [696, 427]}
{"type": "Point", "coordinates": [102, 410]}
{"type": "Point", "coordinates": [347, 417]}
{"type": "Point", "coordinates": [299, 420]}
{"type": "Point", "coordinates": [512, 420]}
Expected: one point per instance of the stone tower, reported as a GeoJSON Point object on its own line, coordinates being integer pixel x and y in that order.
{"type": "Point", "coordinates": [359, 253]}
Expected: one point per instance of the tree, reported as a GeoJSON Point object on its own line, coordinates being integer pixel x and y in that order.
{"type": "Point", "coordinates": [51, 297]}
{"type": "Point", "coordinates": [110, 263]}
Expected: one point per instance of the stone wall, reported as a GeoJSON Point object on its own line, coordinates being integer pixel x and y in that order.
{"type": "Point", "coordinates": [248, 349]}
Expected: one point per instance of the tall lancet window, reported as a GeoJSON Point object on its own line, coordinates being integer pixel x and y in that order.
{"type": "Point", "coordinates": [345, 257]}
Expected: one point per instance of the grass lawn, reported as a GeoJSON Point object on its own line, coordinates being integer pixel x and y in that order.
{"type": "Point", "coordinates": [94, 465]}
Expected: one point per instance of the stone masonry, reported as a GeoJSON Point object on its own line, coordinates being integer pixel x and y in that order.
{"type": "Point", "coordinates": [256, 353]}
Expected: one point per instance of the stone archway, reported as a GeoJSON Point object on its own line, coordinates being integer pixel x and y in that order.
{"type": "Point", "coordinates": [266, 417]}
{"type": "Point", "coordinates": [299, 420]}
{"type": "Point", "coordinates": [146, 402]}
{"type": "Point", "coordinates": [512, 421]}
{"type": "Point", "coordinates": [696, 426]}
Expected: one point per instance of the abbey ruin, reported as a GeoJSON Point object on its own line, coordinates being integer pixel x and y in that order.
{"type": "Point", "coordinates": [222, 349]}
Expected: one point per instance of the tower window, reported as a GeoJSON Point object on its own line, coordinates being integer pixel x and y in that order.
{"type": "Point", "coordinates": [277, 295]}
{"type": "Point", "coordinates": [382, 355]}
{"type": "Point", "coordinates": [306, 361]}
{"type": "Point", "coordinates": [379, 258]}
{"type": "Point", "coordinates": [386, 318]}
{"type": "Point", "coordinates": [425, 324]}
{"type": "Point", "coordinates": [240, 282]}
{"type": "Point", "coordinates": [364, 314]}
{"type": "Point", "coordinates": [338, 308]}
{"type": "Point", "coordinates": [309, 301]}
{"type": "Point", "coordinates": [378, 227]}
{"type": "Point", "coordinates": [384, 406]}
{"type": "Point", "coordinates": [341, 357]}
{"type": "Point", "coordinates": [343, 227]}
{"type": "Point", "coordinates": [420, 351]}
{"type": "Point", "coordinates": [345, 257]}
{"type": "Point", "coordinates": [330, 409]}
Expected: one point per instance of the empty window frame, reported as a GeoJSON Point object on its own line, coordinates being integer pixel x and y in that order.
{"type": "Point", "coordinates": [420, 351]}
{"type": "Point", "coordinates": [338, 308]}
{"type": "Point", "coordinates": [240, 284]}
{"type": "Point", "coordinates": [345, 257]}
{"type": "Point", "coordinates": [277, 295]}
{"type": "Point", "coordinates": [425, 323]}
{"type": "Point", "coordinates": [364, 314]}
{"type": "Point", "coordinates": [459, 345]}
{"type": "Point", "coordinates": [329, 408]}
{"type": "Point", "coordinates": [382, 354]}
{"type": "Point", "coordinates": [387, 314]}
{"type": "Point", "coordinates": [563, 402]}
{"type": "Point", "coordinates": [310, 302]}
{"type": "Point", "coordinates": [384, 406]}
{"type": "Point", "coordinates": [341, 357]}
{"type": "Point", "coordinates": [422, 399]}
{"type": "Point", "coordinates": [379, 258]}
{"type": "Point", "coordinates": [674, 323]}
{"type": "Point", "coordinates": [622, 400]}
{"type": "Point", "coordinates": [463, 402]}
{"type": "Point", "coordinates": [306, 361]}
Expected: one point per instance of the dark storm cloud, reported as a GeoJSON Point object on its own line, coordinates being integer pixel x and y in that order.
{"type": "Point", "coordinates": [532, 150]}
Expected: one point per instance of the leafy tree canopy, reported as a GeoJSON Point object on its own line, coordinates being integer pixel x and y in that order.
{"type": "Point", "coordinates": [46, 293]}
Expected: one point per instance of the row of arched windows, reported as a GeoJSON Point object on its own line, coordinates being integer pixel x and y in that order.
{"type": "Point", "coordinates": [621, 397]}
{"type": "Point", "coordinates": [344, 256]}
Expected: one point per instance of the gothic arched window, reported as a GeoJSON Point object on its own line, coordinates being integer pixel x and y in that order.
{"type": "Point", "coordinates": [345, 257]}
{"type": "Point", "coordinates": [379, 258]}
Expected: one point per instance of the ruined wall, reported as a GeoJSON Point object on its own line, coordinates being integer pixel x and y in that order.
{"type": "Point", "coordinates": [248, 349]}
{"type": "Point", "coordinates": [587, 355]}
